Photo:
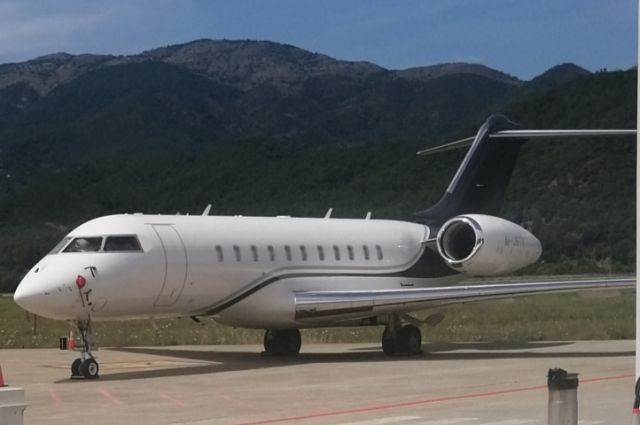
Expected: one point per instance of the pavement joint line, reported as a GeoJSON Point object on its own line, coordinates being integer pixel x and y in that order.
{"type": "Point", "coordinates": [389, 406]}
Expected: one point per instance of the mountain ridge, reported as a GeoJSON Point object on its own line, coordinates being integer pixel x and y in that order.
{"type": "Point", "coordinates": [245, 63]}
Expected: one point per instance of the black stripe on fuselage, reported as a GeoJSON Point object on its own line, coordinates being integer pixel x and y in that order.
{"type": "Point", "coordinates": [429, 265]}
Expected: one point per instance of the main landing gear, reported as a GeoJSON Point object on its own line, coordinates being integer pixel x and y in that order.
{"type": "Point", "coordinates": [86, 366]}
{"type": "Point", "coordinates": [282, 342]}
{"type": "Point", "coordinates": [398, 340]}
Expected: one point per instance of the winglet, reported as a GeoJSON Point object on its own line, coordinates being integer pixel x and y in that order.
{"type": "Point", "coordinates": [207, 210]}
{"type": "Point", "coordinates": [328, 214]}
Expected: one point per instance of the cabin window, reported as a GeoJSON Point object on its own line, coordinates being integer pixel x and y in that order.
{"type": "Point", "coordinates": [236, 251]}
{"type": "Point", "coordinates": [287, 252]}
{"type": "Point", "coordinates": [122, 244]}
{"type": "Point", "coordinates": [220, 253]}
{"type": "Point", "coordinates": [350, 252]}
{"type": "Point", "coordinates": [303, 252]}
{"type": "Point", "coordinates": [379, 252]}
{"type": "Point", "coordinates": [84, 245]}
{"type": "Point", "coordinates": [365, 252]}
{"type": "Point", "coordinates": [272, 253]}
{"type": "Point", "coordinates": [254, 252]}
{"type": "Point", "coordinates": [320, 253]}
{"type": "Point", "coordinates": [336, 252]}
{"type": "Point", "coordinates": [56, 249]}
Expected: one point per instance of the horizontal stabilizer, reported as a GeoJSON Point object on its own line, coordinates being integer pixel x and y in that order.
{"type": "Point", "coordinates": [529, 134]}
{"type": "Point", "coordinates": [321, 305]}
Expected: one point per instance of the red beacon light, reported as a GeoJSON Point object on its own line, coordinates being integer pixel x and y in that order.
{"type": "Point", "coordinates": [80, 281]}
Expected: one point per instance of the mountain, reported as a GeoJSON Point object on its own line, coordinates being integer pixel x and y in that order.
{"type": "Point", "coordinates": [249, 64]}
{"type": "Point", "coordinates": [262, 128]}
{"type": "Point", "coordinates": [557, 75]}
{"type": "Point", "coordinates": [435, 71]}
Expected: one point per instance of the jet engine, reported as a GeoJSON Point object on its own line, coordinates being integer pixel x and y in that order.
{"type": "Point", "coordinates": [483, 245]}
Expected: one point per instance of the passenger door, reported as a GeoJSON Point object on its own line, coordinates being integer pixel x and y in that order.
{"type": "Point", "coordinates": [176, 265]}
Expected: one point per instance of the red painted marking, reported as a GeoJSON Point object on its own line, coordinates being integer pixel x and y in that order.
{"type": "Point", "coordinates": [605, 378]}
{"type": "Point", "coordinates": [635, 411]}
{"type": "Point", "coordinates": [81, 281]}
{"type": "Point", "coordinates": [111, 398]}
{"type": "Point", "coordinates": [172, 400]}
{"type": "Point", "coordinates": [240, 402]}
{"type": "Point", "coordinates": [55, 397]}
{"type": "Point", "coordinates": [379, 407]}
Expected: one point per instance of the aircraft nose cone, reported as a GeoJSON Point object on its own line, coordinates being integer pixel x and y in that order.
{"type": "Point", "coordinates": [26, 297]}
{"type": "Point", "coordinates": [39, 296]}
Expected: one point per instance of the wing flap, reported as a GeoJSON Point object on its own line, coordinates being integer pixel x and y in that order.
{"type": "Point", "coordinates": [363, 303]}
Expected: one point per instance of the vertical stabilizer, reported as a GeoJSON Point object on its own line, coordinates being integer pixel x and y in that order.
{"type": "Point", "coordinates": [479, 185]}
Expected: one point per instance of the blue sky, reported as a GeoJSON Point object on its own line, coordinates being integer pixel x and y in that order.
{"type": "Point", "coordinates": [523, 38]}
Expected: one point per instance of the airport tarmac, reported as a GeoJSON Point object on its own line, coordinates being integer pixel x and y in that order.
{"type": "Point", "coordinates": [347, 384]}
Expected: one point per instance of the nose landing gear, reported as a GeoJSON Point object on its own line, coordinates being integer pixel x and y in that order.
{"type": "Point", "coordinates": [86, 366]}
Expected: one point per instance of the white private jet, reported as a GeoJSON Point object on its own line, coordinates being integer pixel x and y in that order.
{"type": "Point", "coordinates": [282, 273]}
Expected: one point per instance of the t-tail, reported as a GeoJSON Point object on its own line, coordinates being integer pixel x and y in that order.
{"type": "Point", "coordinates": [481, 181]}
{"type": "Point", "coordinates": [479, 185]}
{"type": "Point", "coordinates": [470, 238]}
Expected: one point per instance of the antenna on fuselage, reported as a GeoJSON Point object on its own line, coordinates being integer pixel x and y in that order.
{"type": "Point", "coordinates": [328, 214]}
{"type": "Point", "coordinates": [207, 210]}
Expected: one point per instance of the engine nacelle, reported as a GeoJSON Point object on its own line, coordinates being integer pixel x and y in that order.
{"type": "Point", "coordinates": [483, 245]}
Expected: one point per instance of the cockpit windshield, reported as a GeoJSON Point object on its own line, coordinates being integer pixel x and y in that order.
{"type": "Point", "coordinates": [112, 243]}
{"type": "Point", "coordinates": [56, 249]}
{"type": "Point", "coordinates": [122, 244]}
{"type": "Point", "coordinates": [84, 245]}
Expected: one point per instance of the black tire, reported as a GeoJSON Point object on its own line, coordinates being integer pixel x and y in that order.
{"type": "Point", "coordinates": [282, 342]}
{"type": "Point", "coordinates": [75, 367]}
{"type": "Point", "coordinates": [388, 343]}
{"type": "Point", "coordinates": [290, 342]}
{"type": "Point", "coordinates": [411, 339]}
{"type": "Point", "coordinates": [89, 369]}
{"type": "Point", "coordinates": [270, 342]}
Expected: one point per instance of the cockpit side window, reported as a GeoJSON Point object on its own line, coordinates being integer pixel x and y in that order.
{"type": "Point", "coordinates": [56, 249]}
{"type": "Point", "coordinates": [122, 244]}
{"type": "Point", "coordinates": [84, 245]}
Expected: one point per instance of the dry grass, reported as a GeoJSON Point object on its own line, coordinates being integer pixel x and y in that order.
{"type": "Point", "coordinates": [545, 317]}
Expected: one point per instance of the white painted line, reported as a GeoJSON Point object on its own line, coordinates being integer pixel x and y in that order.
{"type": "Point", "coordinates": [588, 422]}
{"type": "Point", "coordinates": [382, 421]}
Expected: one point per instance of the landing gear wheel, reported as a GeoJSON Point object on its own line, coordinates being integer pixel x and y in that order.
{"type": "Point", "coordinates": [388, 342]}
{"type": "Point", "coordinates": [405, 341]}
{"type": "Point", "coordinates": [270, 342]}
{"type": "Point", "coordinates": [282, 342]}
{"type": "Point", "coordinates": [89, 369]}
{"type": "Point", "coordinates": [291, 342]}
{"type": "Point", "coordinates": [75, 367]}
{"type": "Point", "coordinates": [412, 339]}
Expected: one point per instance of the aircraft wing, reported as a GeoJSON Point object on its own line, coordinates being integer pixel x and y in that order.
{"type": "Point", "coordinates": [329, 305]}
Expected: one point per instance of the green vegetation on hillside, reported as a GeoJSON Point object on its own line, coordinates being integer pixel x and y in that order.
{"type": "Point", "coordinates": [160, 138]}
